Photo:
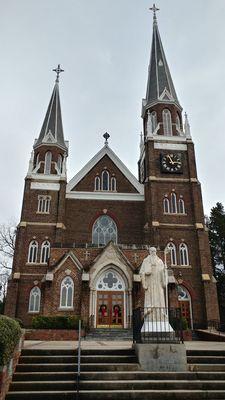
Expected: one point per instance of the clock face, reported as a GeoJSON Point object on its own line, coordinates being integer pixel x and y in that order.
{"type": "Point", "coordinates": [172, 163]}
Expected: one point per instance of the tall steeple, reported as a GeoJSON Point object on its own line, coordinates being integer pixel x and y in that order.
{"type": "Point", "coordinates": [160, 87]}
{"type": "Point", "coordinates": [52, 128]}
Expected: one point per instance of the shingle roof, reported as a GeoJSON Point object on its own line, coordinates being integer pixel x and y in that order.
{"type": "Point", "coordinates": [52, 128]}
{"type": "Point", "coordinates": [160, 87]}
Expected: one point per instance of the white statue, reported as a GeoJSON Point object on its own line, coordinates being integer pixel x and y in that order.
{"type": "Point", "coordinates": [154, 281]}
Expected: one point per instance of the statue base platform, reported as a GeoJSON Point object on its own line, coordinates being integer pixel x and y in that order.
{"type": "Point", "coordinates": [161, 356]}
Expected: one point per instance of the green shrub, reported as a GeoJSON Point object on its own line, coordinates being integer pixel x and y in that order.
{"type": "Point", "coordinates": [176, 324]}
{"type": "Point", "coordinates": [10, 333]}
{"type": "Point", "coordinates": [55, 322]}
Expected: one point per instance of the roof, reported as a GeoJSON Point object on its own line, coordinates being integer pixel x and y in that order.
{"type": "Point", "coordinates": [52, 128]}
{"type": "Point", "coordinates": [160, 87]}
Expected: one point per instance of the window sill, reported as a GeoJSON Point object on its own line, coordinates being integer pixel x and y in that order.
{"type": "Point", "coordinates": [33, 312]}
{"type": "Point", "coordinates": [43, 212]}
{"type": "Point", "coordinates": [65, 308]}
{"type": "Point", "coordinates": [36, 263]}
{"type": "Point", "coordinates": [176, 214]}
{"type": "Point", "coordinates": [179, 266]}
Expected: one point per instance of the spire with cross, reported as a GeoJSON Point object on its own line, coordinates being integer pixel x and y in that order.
{"type": "Point", "coordinates": [58, 71]}
{"type": "Point", "coordinates": [154, 9]}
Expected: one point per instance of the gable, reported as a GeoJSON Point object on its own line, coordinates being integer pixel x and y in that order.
{"type": "Point", "coordinates": [105, 160]}
{"type": "Point", "coordinates": [87, 183]}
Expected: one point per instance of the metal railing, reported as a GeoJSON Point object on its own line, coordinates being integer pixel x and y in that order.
{"type": "Point", "coordinates": [215, 325]}
{"type": "Point", "coordinates": [78, 361]}
{"type": "Point", "coordinates": [157, 325]}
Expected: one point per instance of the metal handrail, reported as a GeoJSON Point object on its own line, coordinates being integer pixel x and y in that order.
{"type": "Point", "coordinates": [78, 360]}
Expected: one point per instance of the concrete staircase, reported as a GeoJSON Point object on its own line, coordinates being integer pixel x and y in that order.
{"type": "Point", "coordinates": [114, 374]}
{"type": "Point", "coordinates": [105, 334]}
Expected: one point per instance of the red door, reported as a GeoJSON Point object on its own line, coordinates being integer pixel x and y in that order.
{"type": "Point", "coordinates": [110, 309]}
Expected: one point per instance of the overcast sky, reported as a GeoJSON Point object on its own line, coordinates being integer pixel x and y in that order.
{"type": "Point", "coordinates": [104, 47]}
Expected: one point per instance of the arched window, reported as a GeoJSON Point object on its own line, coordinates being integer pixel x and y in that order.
{"type": "Point", "coordinates": [154, 120]}
{"type": "Point", "coordinates": [178, 124]}
{"type": "Point", "coordinates": [35, 299]}
{"type": "Point", "coordinates": [183, 250]}
{"type": "Point", "coordinates": [44, 204]}
{"type": "Point", "coordinates": [45, 252]}
{"type": "Point", "coordinates": [181, 208]}
{"type": "Point", "coordinates": [48, 163]}
{"type": "Point", "coordinates": [97, 183]}
{"type": "Point", "coordinates": [167, 123]}
{"type": "Point", "coordinates": [32, 252]}
{"type": "Point", "coordinates": [113, 184]}
{"type": "Point", "coordinates": [166, 205]}
{"type": "Point", "coordinates": [66, 293]}
{"type": "Point", "coordinates": [59, 163]}
{"type": "Point", "coordinates": [173, 203]}
{"type": "Point", "coordinates": [105, 180]}
{"type": "Point", "coordinates": [104, 230]}
{"type": "Point", "coordinates": [173, 254]}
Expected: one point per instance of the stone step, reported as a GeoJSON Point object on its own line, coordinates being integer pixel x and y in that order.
{"type": "Point", "coordinates": [119, 385]}
{"type": "Point", "coordinates": [73, 367]}
{"type": "Point", "coordinates": [206, 352]}
{"type": "Point", "coordinates": [104, 358]}
{"type": "Point", "coordinates": [206, 359]}
{"type": "Point", "coordinates": [117, 375]}
{"type": "Point", "coordinates": [118, 394]}
{"type": "Point", "coordinates": [206, 367]}
{"type": "Point", "coordinates": [73, 352]}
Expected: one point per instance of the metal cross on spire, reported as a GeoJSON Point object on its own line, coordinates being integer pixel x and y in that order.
{"type": "Point", "coordinates": [58, 71]}
{"type": "Point", "coordinates": [106, 137]}
{"type": "Point", "coordinates": [154, 9]}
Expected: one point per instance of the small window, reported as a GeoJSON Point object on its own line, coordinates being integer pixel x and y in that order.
{"type": "Point", "coordinates": [181, 208]}
{"type": "Point", "coordinates": [32, 252]}
{"type": "Point", "coordinates": [184, 259]}
{"type": "Point", "coordinates": [178, 124]}
{"type": "Point", "coordinates": [48, 163]}
{"type": "Point", "coordinates": [44, 204]}
{"type": "Point", "coordinates": [97, 183]}
{"type": "Point", "coordinates": [45, 252]}
{"type": "Point", "coordinates": [113, 184]}
{"type": "Point", "coordinates": [105, 180]}
{"type": "Point", "coordinates": [173, 203]}
{"type": "Point", "coordinates": [36, 160]}
{"type": "Point", "coordinates": [66, 295]}
{"type": "Point", "coordinates": [166, 205]}
{"type": "Point", "coordinates": [167, 123]}
{"type": "Point", "coordinates": [59, 163]}
{"type": "Point", "coordinates": [35, 299]}
{"type": "Point", "coordinates": [153, 121]}
{"type": "Point", "coordinates": [173, 254]}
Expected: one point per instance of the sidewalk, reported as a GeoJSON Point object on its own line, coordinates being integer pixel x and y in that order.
{"type": "Point", "coordinates": [36, 344]}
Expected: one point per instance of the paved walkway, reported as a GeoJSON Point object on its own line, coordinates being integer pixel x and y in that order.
{"type": "Point", "coordinates": [37, 344]}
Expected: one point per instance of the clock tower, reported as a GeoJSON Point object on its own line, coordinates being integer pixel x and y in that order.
{"type": "Point", "coordinates": [174, 217]}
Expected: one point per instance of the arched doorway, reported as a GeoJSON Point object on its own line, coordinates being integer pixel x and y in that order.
{"type": "Point", "coordinates": [111, 300]}
{"type": "Point", "coordinates": [184, 299]}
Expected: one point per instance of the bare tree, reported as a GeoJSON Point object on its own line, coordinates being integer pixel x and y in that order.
{"type": "Point", "coordinates": [7, 248]}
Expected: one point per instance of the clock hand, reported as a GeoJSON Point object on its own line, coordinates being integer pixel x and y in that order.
{"type": "Point", "coordinates": [171, 161]}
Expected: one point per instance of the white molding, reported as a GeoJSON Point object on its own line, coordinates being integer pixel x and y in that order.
{"type": "Point", "coordinates": [45, 186]}
{"type": "Point", "coordinates": [105, 196]}
{"type": "Point", "coordinates": [170, 146]}
{"type": "Point", "coordinates": [164, 138]}
{"type": "Point", "coordinates": [122, 167]}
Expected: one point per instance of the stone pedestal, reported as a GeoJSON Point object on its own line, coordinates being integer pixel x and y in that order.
{"type": "Point", "coordinates": [161, 356]}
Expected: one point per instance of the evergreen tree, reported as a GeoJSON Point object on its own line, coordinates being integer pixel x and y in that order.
{"type": "Point", "coordinates": [216, 225]}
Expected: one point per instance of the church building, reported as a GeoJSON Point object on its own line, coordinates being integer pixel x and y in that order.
{"type": "Point", "coordinates": [80, 243]}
